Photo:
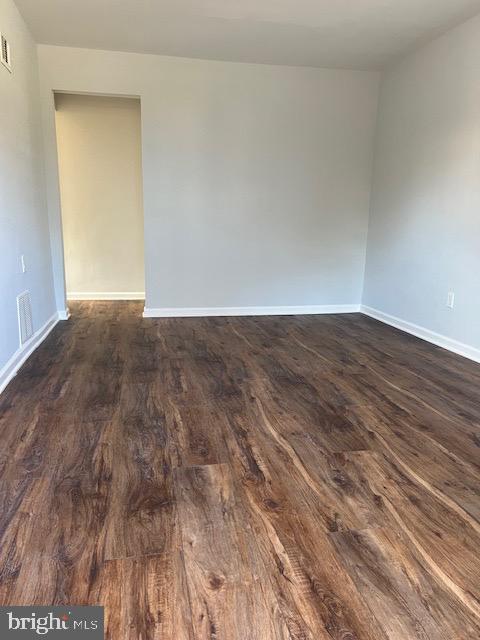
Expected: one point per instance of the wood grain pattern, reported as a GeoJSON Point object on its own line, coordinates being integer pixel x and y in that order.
{"type": "Point", "coordinates": [293, 478]}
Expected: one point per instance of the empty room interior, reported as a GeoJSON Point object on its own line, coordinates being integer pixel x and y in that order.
{"type": "Point", "coordinates": [239, 319]}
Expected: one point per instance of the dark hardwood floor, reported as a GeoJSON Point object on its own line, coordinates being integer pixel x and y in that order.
{"type": "Point", "coordinates": [302, 478]}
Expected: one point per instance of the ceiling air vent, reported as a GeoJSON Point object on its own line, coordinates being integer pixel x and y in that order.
{"type": "Point", "coordinates": [25, 324]}
{"type": "Point", "coordinates": [6, 58]}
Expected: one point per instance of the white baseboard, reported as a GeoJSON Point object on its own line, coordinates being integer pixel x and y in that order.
{"type": "Point", "coordinates": [421, 332]}
{"type": "Point", "coordinates": [9, 371]}
{"type": "Point", "coordinates": [64, 314]}
{"type": "Point", "coordinates": [106, 295]}
{"type": "Point", "coordinates": [190, 312]}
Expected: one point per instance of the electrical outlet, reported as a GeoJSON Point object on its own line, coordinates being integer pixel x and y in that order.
{"type": "Point", "coordinates": [450, 299]}
{"type": "Point", "coordinates": [22, 262]}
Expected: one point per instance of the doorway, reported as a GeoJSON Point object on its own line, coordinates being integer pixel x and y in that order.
{"type": "Point", "coordinates": [101, 188]}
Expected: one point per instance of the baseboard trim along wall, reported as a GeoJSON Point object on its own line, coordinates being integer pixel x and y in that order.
{"type": "Point", "coordinates": [9, 371]}
{"type": "Point", "coordinates": [191, 312]}
{"type": "Point", "coordinates": [64, 314]}
{"type": "Point", "coordinates": [106, 295]}
{"type": "Point", "coordinates": [459, 348]}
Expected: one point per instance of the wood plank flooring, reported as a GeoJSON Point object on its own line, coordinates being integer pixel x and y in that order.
{"type": "Point", "coordinates": [302, 478]}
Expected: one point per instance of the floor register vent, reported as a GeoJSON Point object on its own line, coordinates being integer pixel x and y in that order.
{"type": "Point", "coordinates": [5, 52]}
{"type": "Point", "coordinates": [25, 323]}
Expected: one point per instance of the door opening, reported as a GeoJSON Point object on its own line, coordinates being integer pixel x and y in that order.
{"type": "Point", "coordinates": [100, 172]}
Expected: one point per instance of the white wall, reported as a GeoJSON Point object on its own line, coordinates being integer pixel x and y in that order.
{"type": "Point", "coordinates": [100, 164]}
{"type": "Point", "coordinates": [23, 212]}
{"type": "Point", "coordinates": [424, 235]}
{"type": "Point", "coordinates": [256, 177]}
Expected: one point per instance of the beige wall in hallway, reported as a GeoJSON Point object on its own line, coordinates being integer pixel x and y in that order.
{"type": "Point", "coordinates": [99, 150]}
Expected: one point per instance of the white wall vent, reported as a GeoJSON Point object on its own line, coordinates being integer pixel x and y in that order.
{"type": "Point", "coordinates": [25, 323]}
{"type": "Point", "coordinates": [6, 55]}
